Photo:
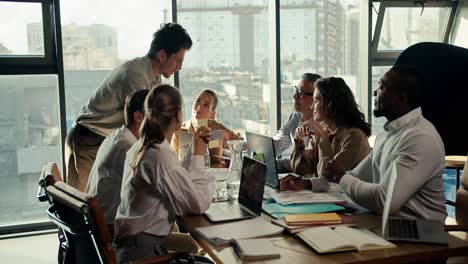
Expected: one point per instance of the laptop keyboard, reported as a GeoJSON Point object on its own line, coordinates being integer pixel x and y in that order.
{"type": "Point", "coordinates": [226, 208]}
{"type": "Point", "coordinates": [402, 228]}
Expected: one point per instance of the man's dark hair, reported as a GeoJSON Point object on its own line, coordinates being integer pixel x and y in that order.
{"type": "Point", "coordinates": [410, 85]}
{"type": "Point", "coordinates": [134, 103]}
{"type": "Point", "coordinates": [170, 37]}
{"type": "Point", "coordinates": [310, 77]}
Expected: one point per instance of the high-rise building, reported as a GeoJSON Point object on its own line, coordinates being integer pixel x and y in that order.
{"type": "Point", "coordinates": [90, 47]}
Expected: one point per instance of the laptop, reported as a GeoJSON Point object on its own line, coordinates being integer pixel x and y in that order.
{"type": "Point", "coordinates": [263, 145]}
{"type": "Point", "coordinates": [249, 204]}
{"type": "Point", "coordinates": [410, 230]}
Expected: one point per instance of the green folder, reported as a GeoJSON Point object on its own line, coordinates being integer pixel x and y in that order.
{"type": "Point", "coordinates": [277, 210]}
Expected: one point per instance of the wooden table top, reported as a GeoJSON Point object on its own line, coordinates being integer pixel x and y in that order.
{"type": "Point", "coordinates": [455, 161]}
{"type": "Point", "coordinates": [294, 250]}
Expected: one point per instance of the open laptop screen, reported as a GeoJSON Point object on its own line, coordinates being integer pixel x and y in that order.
{"type": "Point", "coordinates": [259, 144]}
{"type": "Point", "coordinates": [252, 184]}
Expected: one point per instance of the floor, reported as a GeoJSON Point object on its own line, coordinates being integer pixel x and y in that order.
{"type": "Point", "coordinates": [38, 249]}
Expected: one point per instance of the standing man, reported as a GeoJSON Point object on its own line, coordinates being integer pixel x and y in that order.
{"type": "Point", "coordinates": [303, 95]}
{"type": "Point", "coordinates": [103, 112]}
{"type": "Point", "coordinates": [409, 147]}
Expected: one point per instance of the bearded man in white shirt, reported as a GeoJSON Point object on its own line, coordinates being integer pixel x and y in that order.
{"type": "Point", "coordinates": [103, 113]}
{"type": "Point", "coordinates": [410, 147]}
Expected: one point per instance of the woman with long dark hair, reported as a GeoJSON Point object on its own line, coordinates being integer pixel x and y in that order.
{"type": "Point", "coordinates": [156, 188]}
{"type": "Point", "coordinates": [334, 141]}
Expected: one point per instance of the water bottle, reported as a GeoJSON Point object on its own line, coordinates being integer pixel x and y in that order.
{"type": "Point", "coordinates": [235, 168]}
{"type": "Point", "coordinates": [207, 158]}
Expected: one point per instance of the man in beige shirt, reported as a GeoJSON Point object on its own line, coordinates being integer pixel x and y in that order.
{"type": "Point", "coordinates": [103, 112]}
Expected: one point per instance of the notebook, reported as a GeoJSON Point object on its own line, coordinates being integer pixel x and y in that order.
{"type": "Point", "coordinates": [342, 238]}
{"type": "Point", "coordinates": [263, 146]}
{"type": "Point", "coordinates": [251, 189]}
{"type": "Point", "coordinates": [254, 249]}
{"type": "Point", "coordinates": [313, 219]}
{"type": "Point", "coordinates": [410, 230]}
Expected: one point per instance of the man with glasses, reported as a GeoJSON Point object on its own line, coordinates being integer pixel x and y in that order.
{"type": "Point", "coordinates": [303, 99]}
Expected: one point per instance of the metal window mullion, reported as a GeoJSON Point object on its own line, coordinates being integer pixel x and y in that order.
{"type": "Point", "coordinates": [275, 67]}
{"type": "Point", "coordinates": [55, 22]}
{"type": "Point", "coordinates": [378, 27]}
{"type": "Point", "coordinates": [450, 20]}
{"type": "Point", "coordinates": [174, 19]}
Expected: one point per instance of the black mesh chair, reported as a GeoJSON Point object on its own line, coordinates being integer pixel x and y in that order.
{"type": "Point", "coordinates": [83, 233]}
{"type": "Point", "coordinates": [445, 70]}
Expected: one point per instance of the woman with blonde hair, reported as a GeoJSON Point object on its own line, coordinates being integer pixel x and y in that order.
{"type": "Point", "coordinates": [156, 187]}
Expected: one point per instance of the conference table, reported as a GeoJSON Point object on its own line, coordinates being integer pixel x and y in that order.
{"type": "Point", "coordinates": [293, 250]}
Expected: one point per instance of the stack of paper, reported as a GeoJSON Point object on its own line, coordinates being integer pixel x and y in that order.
{"type": "Point", "coordinates": [223, 233]}
{"type": "Point", "coordinates": [304, 197]}
{"type": "Point", "coordinates": [313, 219]}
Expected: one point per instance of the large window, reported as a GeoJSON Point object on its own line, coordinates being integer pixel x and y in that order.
{"type": "Point", "coordinates": [230, 55]}
{"type": "Point", "coordinates": [396, 25]}
{"type": "Point", "coordinates": [17, 20]}
{"type": "Point", "coordinates": [29, 108]}
{"type": "Point", "coordinates": [318, 36]}
{"type": "Point", "coordinates": [98, 35]}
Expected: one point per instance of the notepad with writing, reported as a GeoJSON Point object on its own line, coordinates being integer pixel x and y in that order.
{"type": "Point", "coordinates": [312, 219]}
{"type": "Point", "coordinates": [254, 249]}
{"type": "Point", "coordinates": [327, 240]}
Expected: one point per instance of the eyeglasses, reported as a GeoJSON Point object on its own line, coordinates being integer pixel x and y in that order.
{"type": "Point", "coordinates": [300, 92]}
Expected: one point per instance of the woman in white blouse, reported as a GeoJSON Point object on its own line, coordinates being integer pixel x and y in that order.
{"type": "Point", "coordinates": [156, 187]}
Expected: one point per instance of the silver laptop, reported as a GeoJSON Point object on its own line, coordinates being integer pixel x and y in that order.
{"type": "Point", "coordinates": [250, 200]}
{"type": "Point", "coordinates": [410, 230]}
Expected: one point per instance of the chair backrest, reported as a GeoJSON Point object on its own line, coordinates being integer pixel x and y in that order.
{"type": "Point", "coordinates": [81, 218]}
{"type": "Point", "coordinates": [444, 68]}
{"type": "Point", "coordinates": [461, 206]}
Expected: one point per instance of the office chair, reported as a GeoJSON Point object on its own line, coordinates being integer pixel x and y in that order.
{"type": "Point", "coordinates": [87, 238]}
{"type": "Point", "coordinates": [444, 68]}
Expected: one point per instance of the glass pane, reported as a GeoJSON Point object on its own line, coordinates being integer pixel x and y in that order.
{"type": "Point", "coordinates": [29, 138]}
{"type": "Point", "coordinates": [377, 73]}
{"type": "Point", "coordinates": [230, 55]}
{"type": "Point", "coordinates": [318, 37]}
{"type": "Point", "coordinates": [94, 44]}
{"type": "Point", "coordinates": [403, 27]}
{"type": "Point", "coordinates": [21, 32]}
{"type": "Point", "coordinates": [461, 29]}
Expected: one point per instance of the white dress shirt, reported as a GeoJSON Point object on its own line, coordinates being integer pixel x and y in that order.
{"type": "Point", "coordinates": [283, 139]}
{"type": "Point", "coordinates": [160, 190]}
{"type": "Point", "coordinates": [103, 112]}
{"type": "Point", "coordinates": [411, 143]}
{"type": "Point", "coordinates": [105, 178]}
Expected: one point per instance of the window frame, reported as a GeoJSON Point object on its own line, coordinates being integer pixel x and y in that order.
{"type": "Point", "coordinates": [49, 63]}
{"type": "Point", "coordinates": [388, 58]}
